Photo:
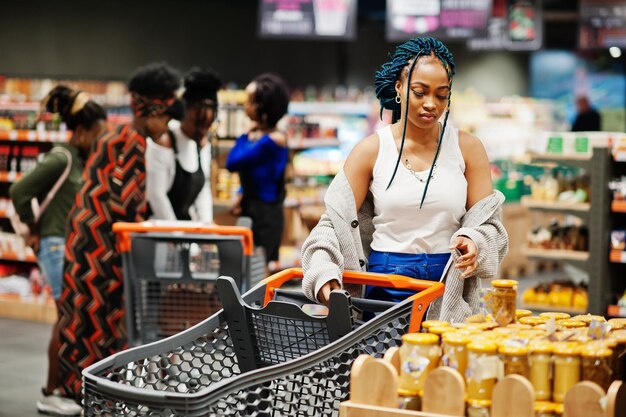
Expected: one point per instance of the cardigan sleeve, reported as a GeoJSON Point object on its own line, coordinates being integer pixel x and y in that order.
{"type": "Point", "coordinates": [160, 170]}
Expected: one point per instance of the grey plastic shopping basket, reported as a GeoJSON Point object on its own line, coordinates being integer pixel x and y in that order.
{"type": "Point", "coordinates": [200, 372]}
{"type": "Point", "coordinates": [170, 271]}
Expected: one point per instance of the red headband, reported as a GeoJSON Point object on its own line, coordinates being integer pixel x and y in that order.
{"type": "Point", "coordinates": [143, 106]}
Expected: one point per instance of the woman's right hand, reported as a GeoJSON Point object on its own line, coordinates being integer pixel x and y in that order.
{"type": "Point", "coordinates": [323, 295]}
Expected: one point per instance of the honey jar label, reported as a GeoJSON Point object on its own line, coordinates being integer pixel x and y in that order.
{"type": "Point", "coordinates": [414, 365]}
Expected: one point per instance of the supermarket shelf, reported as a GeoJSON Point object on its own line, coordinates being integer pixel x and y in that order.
{"type": "Point", "coordinates": [25, 106]}
{"type": "Point", "coordinates": [617, 256]}
{"type": "Point", "coordinates": [616, 311]}
{"type": "Point", "coordinates": [330, 108]}
{"type": "Point", "coordinates": [555, 206]}
{"type": "Point", "coordinates": [290, 202]}
{"type": "Point", "coordinates": [13, 257]}
{"type": "Point", "coordinates": [33, 310]}
{"type": "Point", "coordinates": [557, 254]}
{"type": "Point", "coordinates": [548, 308]}
{"type": "Point", "coordinates": [34, 136]}
{"type": "Point", "coordinates": [618, 206]}
{"type": "Point", "coordinates": [308, 143]}
{"type": "Point", "coordinates": [580, 161]}
{"type": "Point", "coordinates": [10, 176]}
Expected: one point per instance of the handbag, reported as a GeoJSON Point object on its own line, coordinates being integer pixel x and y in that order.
{"type": "Point", "coordinates": [21, 228]}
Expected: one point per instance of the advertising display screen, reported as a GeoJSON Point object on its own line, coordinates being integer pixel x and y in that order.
{"type": "Point", "coordinates": [602, 24]}
{"type": "Point", "coordinates": [314, 19]}
{"type": "Point", "coordinates": [442, 19]}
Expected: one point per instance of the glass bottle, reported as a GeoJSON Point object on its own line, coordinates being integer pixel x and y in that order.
{"type": "Point", "coordinates": [515, 360]}
{"type": "Point", "coordinates": [541, 369]}
{"type": "Point", "coordinates": [596, 364]}
{"type": "Point", "coordinates": [419, 354]}
{"type": "Point", "coordinates": [620, 362]}
{"type": "Point", "coordinates": [504, 301]}
{"type": "Point", "coordinates": [455, 351]}
{"type": "Point", "coordinates": [566, 368]}
{"type": "Point", "coordinates": [483, 369]}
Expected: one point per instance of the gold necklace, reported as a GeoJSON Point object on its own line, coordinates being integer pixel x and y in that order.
{"type": "Point", "coordinates": [408, 165]}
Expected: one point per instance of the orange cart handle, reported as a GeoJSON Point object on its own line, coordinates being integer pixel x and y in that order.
{"type": "Point", "coordinates": [124, 230]}
{"type": "Point", "coordinates": [426, 291]}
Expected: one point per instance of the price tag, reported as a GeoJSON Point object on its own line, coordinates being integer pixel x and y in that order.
{"type": "Point", "coordinates": [555, 145]}
{"type": "Point", "coordinates": [581, 144]}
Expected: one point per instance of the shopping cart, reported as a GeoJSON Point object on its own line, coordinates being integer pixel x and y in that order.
{"type": "Point", "coordinates": [170, 269]}
{"type": "Point", "coordinates": [200, 372]}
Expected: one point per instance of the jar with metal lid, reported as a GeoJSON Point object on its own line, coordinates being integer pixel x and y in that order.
{"type": "Point", "coordinates": [478, 408]}
{"type": "Point", "coordinates": [441, 330]}
{"type": "Point", "coordinates": [519, 326]}
{"type": "Point", "coordinates": [544, 409]}
{"type": "Point", "coordinates": [531, 334]}
{"type": "Point", "coordinates": [533, 321]}
{"type": "Point", "coordinates": [541, 369]}
{"type": "Point", "coordinates": [588, 318]}
{"type": "Point", "coordinates": [419, 354]}
{"type": "Point", "coordinates": [427, 324]}
{"type": "Point", "coordinates": [620, 356]}
{"type": "Point", "coordinates": [566, 368]}
{"type": "Point", "coordinates": [617, 324]}
{"type": "Point", "coordinates": [483, 369]}
{"type": "Point", "coordinates": [515, 358]}
{"type": "Point", "coordinates": [596, 364]}
{"type": "Point", "coordinates": [572, 324]}
{"type": "Point", "coordinates": [503, 301]}
{"type": "Point", "coordinates": [455, 351]}
{"type": "Point", "coordinates": [554, 315]}
{"type": "Point", "coordinates": [519, 313]}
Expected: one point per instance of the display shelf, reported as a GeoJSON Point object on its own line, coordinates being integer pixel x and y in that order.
{"type": "Point", "coordinates": [617, 256]}
{"type": "Point", "coordinates": [549, 308]}
{"type": "Point", "coordinates": [557, 254]}
{"type": "Point", "coordinates": [618, 206]}
{"type": "Point", "coordinates": [14, 307]}
{"type": "Point", "coordinates": [527, 201]}
{"type": "Point", "coordinates": [616, 311]}
{"type": "Point", "coordinates": [308, 143]}
{"type": "Point", "coordinates": [10, 176]}
{"type": "Point", "coordinates": [580, 161]}
{"type": "Point", "coordinates": [34, 136]}
{"type": "Point", "coordinates": [338, 108]}
{"type": "Point", "coordinates": [25, 106]}
{"type": "Point", "coordinates": [13, 257]}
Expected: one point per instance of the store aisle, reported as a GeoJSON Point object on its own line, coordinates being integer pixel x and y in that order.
{"type": "Point", "coordinates": [23, 366]}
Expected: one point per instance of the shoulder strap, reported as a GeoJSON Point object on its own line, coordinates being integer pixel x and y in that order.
{"type": "Point", "coordinates": [66, 172]}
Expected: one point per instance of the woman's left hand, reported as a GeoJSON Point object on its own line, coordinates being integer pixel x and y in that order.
{"type": "Point", "coordinates": [469, 255]}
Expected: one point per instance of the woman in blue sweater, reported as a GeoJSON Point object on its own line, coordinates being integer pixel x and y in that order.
{"type": "Point", "coordinates": [260, 157]}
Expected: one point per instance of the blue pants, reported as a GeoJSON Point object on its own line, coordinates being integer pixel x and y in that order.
{"type": "Point", "coordinates": [425, 266]}
{"type": "Point", "coordinates": [50, 258]}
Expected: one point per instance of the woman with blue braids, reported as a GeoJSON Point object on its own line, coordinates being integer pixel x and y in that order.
{"type": "Point", "coordinates": [415, 198]}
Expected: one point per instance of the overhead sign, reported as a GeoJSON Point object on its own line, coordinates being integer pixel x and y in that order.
{"type": "Point", "coordinates": [442, 19]}
{"type": "Point", "coordinates": [314, 19]}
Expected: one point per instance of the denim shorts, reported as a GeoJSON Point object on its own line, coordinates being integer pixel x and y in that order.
{"type": "Point", "coordinates": [50, 258]}
{"type": "Point", "coordinates": [425, 266]}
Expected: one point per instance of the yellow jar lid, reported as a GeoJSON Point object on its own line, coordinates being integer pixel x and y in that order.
{"type": "Point", "coordinates": [544, 407]}
{"type": "Point", "coordinates": [610, 343]}
{"type": "Point", "coordinates": [479, 403]}
{"type": "Point", "coordinates": [595, 350]}
{"type": "Point", "coordinates": [477, 326]}
{"type": "Point", "coordinates": [588, 318]}
{"type": "Point", "coordinates": [530, 333]}
{"type": "Point", "coordinates": [554, 315]}
{"type": "Point", "coordinates": [533, 321]}
{"type": "Point", "coordinates": [617, 324]}
{"type": "Point", "coordinates": [513, 350]}
{"type": "Point", "coordinates": [566, 348]}
{"type": "Point", "coordinates": [504, 283]}
{"type": "Point", "coordinates": [572, 324]}
{"type": "Point", "coordinates": [433, 323]}
{"type": "Point", "coordinates": [519, 313]}
{"type": "Point", "coordinates": [420, 338]}
{"type": "Point", "coordinates": [519, 326]}
{"type": "Point", "coordinates": [483, 346]}
{"type": "Point", "coordinates": [619, 335]}
{"type": "Point", "coordinates": [541, 346]}
{"type": "Point", "coordinates": [456, 338]}
{"type": "Point", "coordinates": [504, 331]}
{"type": "Point", "coordinates": [540, 327]}
{"type": "Point", "coordinates": [439, 330]}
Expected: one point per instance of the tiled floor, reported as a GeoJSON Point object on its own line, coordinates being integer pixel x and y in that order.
{"type": "Point", "coordinates": [23, 366]}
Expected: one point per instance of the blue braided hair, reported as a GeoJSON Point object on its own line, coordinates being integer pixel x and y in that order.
{"type": "Point", "coordinates": [390, 72]}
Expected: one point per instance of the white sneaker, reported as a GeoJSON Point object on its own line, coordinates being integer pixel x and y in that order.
{"type": "Point", "coordinates": [55, 405]}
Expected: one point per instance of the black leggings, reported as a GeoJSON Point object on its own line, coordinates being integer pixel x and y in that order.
{"type": "Point", "coordinates": [268, 221]}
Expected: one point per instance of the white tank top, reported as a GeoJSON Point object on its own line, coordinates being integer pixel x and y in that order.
{"type": "Point", "coordinates": [399, 224]}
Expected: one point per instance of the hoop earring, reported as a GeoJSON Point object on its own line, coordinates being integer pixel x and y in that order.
{"type": "Point", "coordinates": [398, 99]}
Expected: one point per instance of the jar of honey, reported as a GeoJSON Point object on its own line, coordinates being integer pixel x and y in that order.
{"type": "Point", "coordinates": [455, 351]}
{"type": "Point", "coordinates": [515, 360]}
{"type": "Point", "coordinates": [483, 369]}
{"type": "Point", "coordinates": [541, 369]}
{"type": "Point", "coordinates": [566, 368]}
{"type": "Point", "coordinates": [596, 364]}
{"type": "Point", "coordinates": [419, 354]}
{"type": "Point", "coordinates": [503, 301]}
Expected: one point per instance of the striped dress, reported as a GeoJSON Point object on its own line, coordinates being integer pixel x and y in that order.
{"type": "Point", "coordinates": [92, 302]}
